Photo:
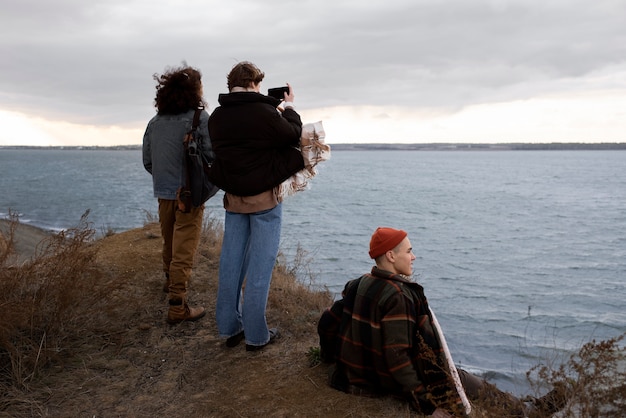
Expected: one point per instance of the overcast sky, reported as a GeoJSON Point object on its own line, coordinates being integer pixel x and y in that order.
{"type": "Point", "coordinates": [77, 72]}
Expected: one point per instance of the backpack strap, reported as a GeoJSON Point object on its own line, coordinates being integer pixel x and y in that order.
{"type": "Point", "coordinates": [184, 193]}
{"type": "Point", "coordinates": [194, 125]}
{"type": "Point", "coordinates": [196, 118]}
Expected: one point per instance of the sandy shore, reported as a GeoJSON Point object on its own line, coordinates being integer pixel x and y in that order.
{"type": "Point", "coordinates": [26, 239]}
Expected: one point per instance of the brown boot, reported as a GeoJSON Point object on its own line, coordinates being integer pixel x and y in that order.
{"type": "Point", "coordinates": [180, 311]}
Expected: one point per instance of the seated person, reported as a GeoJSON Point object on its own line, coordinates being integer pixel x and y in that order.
{"type": "Point", "coordinates": [383, 339]}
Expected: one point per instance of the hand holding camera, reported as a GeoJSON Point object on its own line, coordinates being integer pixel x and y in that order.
{"type": "Point", "coordinates": [284, 93]}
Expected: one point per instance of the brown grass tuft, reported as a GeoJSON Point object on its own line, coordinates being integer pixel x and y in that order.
{"type": "Point", "coordinates": [48, 305]}
{"type": "Point", "coordinates": [593, 380]}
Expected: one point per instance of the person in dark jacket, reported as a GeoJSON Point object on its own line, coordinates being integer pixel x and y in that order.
{"type": "Point", "coordinates": [179, 95]}
{"type": "Point", "coordinates": [255, 144]}
{"type": "Point", "coordinates": [383, 339]}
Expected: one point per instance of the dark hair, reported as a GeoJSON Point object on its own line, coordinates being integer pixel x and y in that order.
{"type": "Point", "coordinates": [244, 74]}
{"type": "Point", "coordinates": [178, 90]}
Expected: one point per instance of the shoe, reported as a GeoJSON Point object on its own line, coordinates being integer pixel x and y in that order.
{"type": "Point", "coordinates": [274, 334]}
{"type": "Point", "coordinates": [180, 311]}
{"type": "Point", "coordinates": [234, 340]}
{"type": "Point", "coordinates": [550, 403]}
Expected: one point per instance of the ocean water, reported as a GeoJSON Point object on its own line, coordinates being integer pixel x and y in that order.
{"type": "Point", "coordinates": [522, 253]}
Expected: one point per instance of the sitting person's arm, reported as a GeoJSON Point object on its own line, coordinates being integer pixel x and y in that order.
{"type": "Point", "coordinates": [398, 328]}
{"type": "Point", "coordinates": [329, 323]}
{"type": "Point", "coordinates": [328, 331]}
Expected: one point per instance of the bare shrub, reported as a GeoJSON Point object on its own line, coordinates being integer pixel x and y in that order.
{"type": "Point", "coordinates": [49, 304]}
{"type": "Point", "coordinates": [210, 244]}
{"type": "Point", "coordinates": [300, 303]}
{"type": "Point", "coordinates": [593, 380]}
{"type": "Point", "coordinates": [150, 217]}
{"type": "Point", "coordinates": [7, 240]}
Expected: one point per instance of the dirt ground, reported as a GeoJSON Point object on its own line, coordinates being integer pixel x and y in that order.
{"type": "Point", "coordinates": [145, 367]}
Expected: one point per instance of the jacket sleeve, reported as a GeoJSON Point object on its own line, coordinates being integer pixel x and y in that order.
{"type": "Point", "coordinates": [328, 331]}
{"type": "Point", "coordinates": [203, 132]}
{"type": "Point", "coordinates": [147, 150]}
{"type": "Point", "coordinates": [288, 127]}
{"type": "Point", "coordinates": [398, 327]}
{"type": "Point", "coordinates": [329, 325]}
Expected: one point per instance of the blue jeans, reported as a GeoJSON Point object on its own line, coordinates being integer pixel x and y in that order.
{"type": "Point", "coordinates": [249, 251]}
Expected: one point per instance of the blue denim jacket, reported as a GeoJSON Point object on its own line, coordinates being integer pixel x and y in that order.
{"type": "Point", "coordinates": [163, 150]}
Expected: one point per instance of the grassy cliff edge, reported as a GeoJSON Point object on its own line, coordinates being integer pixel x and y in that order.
{"type": "Point", "coordinates": [84, 334]}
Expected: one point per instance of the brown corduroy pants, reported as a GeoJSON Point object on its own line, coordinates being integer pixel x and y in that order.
{"type": "Point", "coordinates": [181, 235]}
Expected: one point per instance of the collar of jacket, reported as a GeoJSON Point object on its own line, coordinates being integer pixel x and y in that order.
{"type": "Point", "coordinates": [387, 275]}
{"type": "Point", "coordinates": [226, 99]}
{"type": "Point", "coordinates": [384, 274]}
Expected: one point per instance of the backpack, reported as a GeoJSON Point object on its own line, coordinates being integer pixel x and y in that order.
{"type": "Point", "coordinates": [197, 189]}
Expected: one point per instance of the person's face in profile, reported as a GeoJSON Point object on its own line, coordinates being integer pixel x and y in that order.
{"type": "Point", "coordinates": [403, 257]}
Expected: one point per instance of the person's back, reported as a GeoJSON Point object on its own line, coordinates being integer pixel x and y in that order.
{"type": "Point", "coordinates": [178, 97]}
{"type": "Point", "coordinates": [389, 346]}
{"type": "Point", "coordinates": [254, 144]}
{"type": "Point", "coordinates": [163, 150]}
{"type": "Point", "coordinates": [386, 342]}
{"type": "Point", "coordinates": [383, 338]}
{"type": "Point", "coordinates": [255, 151]}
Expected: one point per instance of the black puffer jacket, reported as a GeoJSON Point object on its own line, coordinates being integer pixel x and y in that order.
{"type": "Point", "coordinates": [254, 145]}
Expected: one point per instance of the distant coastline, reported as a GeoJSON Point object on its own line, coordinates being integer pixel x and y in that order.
{"type": "Point", "coordinates": [517, 146]}
{"type": "Point", "coordinates": [479, 147]}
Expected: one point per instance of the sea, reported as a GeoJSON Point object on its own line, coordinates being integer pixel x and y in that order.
{"type": "Point", "coordinates": [522, 254]}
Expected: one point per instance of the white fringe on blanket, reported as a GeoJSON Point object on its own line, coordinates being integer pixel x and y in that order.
{"type": "Point", "coordinates": [453, 371]}
{"type": "Point", "coordinates": [314, 151]}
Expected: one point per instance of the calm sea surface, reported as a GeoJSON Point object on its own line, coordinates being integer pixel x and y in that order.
{"type": "Point", "coordinates": [522, 253]}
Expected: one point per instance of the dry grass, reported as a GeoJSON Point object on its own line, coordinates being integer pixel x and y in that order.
{"type": "Point", "coordinates": [595, 377]}
{"type": "Point", "coordinates": [83, 333]}
{"type": "Point", "coordinates": [43, 304]}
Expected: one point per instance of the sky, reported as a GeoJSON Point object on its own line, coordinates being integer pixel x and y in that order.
{"type": "Point", "coordinates": [75, 72]}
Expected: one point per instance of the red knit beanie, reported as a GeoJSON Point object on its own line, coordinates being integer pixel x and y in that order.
{"type": "Point", "coordinates": [385, 239]}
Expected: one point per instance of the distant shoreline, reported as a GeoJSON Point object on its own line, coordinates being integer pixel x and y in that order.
{"type": "Point", "coordinates": [514, 146]}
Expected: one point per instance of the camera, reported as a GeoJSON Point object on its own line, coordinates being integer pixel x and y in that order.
{"type": "Point", "coordinates": [278, 92]}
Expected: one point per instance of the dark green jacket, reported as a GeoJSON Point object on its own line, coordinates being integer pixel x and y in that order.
{"type": "Point", "coordinates": [381, 336]}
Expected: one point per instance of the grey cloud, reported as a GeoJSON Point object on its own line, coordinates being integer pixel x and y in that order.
{"type": "Point", "coordinates": [93, 62]}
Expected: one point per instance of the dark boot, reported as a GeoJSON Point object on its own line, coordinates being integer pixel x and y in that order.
{"type": "Point", "coordinates": [550, 403]}
{"type": "Point", "coordinates": [179, 311]}
{"type": "Point", "coordinates": [274, 334]}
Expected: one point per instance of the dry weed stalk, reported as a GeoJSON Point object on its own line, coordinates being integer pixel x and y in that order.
{"type": "Point", "coordinates": [301, 302]}
{"type": "Point", "coordinates": [7, 240]}
{"type": "Point", "coordinates": [211, 239]}
{"type": "Point", "coordinates": [48, 304]}
{"type": "Point", "coordinates": [594, 377]}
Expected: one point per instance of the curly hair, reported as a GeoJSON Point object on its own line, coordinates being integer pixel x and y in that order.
{"type": "Point", "coordinates": [243, 74]}
{"type": "Point", "coordinates": [178, 90]}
